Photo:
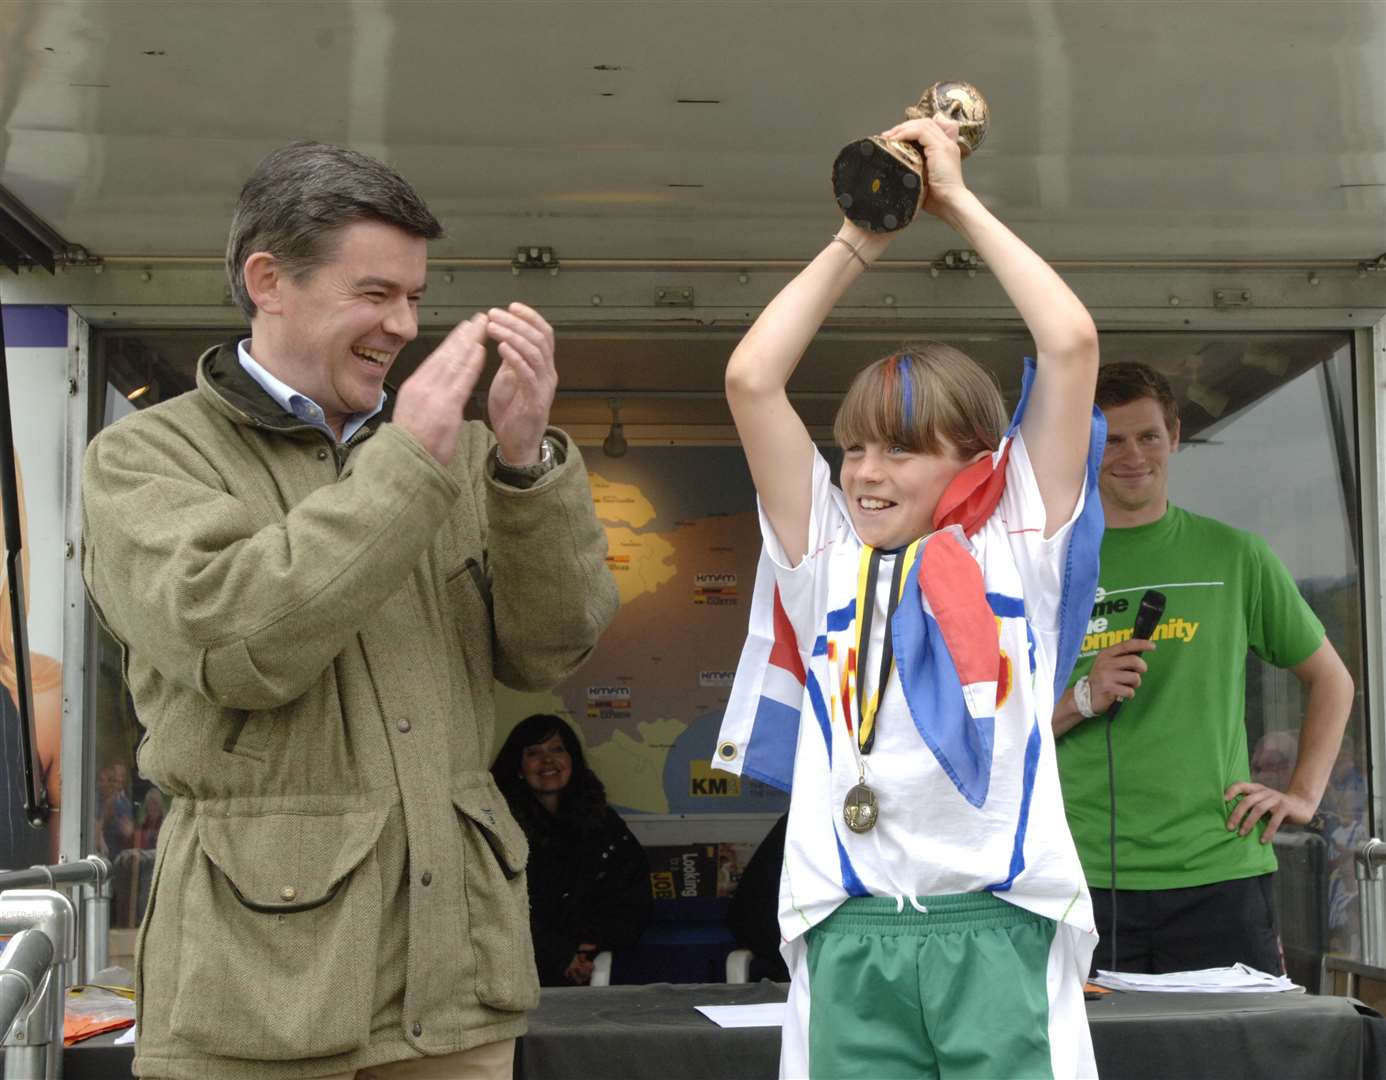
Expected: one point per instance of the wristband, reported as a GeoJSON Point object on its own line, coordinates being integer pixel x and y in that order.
{"type": "Point", "coordinates": [1082, 697]}
{"type": "Point", "coordinates": [855, 253]}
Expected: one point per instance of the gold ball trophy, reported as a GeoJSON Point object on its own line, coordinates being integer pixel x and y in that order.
{"type": "Point", "coordinates": [879, 183]}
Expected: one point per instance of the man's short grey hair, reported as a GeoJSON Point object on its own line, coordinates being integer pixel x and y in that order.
{"type": "Point", "coordinates": [300, 197]}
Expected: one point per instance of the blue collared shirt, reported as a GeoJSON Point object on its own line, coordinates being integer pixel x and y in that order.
{"type": "Point", "coordinates": [300, 405]}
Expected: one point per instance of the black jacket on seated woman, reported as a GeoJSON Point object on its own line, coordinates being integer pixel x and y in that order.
{"type": "Point", "coordinates": [589, 879]}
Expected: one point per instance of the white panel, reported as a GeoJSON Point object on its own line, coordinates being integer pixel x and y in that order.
{"type": "Point", "coordinates": [38, 393]}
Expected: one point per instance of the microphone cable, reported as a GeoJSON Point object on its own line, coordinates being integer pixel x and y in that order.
{"type": "Point", "coordinates": [1111, 834]}
{"type": "Point", "coordinates": [1147, 618]}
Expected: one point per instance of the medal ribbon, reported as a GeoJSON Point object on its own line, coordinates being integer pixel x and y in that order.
{"type": "Point", "coordinates": [868, 570]}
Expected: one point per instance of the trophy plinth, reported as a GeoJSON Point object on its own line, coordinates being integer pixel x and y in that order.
{"type": "Point", "coordinates": [880, 183]}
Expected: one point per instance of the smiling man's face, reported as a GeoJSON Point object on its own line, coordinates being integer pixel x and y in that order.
{"type": "Point", "coordinates": [345, 323]}
{"type": "Point", "coordinates": [1134, 479]}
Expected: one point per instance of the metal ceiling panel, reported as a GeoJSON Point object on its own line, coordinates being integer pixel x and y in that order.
{"type": "Point", "coordinates": [659, 129]}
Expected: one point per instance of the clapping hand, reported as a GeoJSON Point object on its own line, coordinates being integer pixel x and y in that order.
{"type": "Point", "coordinates": [522, 392]}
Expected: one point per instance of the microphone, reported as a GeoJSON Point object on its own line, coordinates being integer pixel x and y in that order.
{"type": "Point", "coordinates": [1147, 618]}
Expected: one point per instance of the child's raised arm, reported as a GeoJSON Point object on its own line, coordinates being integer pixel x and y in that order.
{"type": "Point", "coordinates": [778, 448]}
{"type": "Point", "coordinates": [1058, 417]}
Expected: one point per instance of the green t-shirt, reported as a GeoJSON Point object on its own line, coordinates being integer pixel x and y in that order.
{"type": "Point", "coordinates": [1181, 741]}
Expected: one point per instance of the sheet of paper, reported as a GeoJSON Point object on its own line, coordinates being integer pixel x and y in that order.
{"type": "Point", "coordinates": [127, 1038]}
{"type": "Point", "coordinates": [742, 1016]}
{"type": "Point", "coordinates": [1238, 979]}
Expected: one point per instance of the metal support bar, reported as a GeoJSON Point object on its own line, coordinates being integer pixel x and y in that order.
{"type": "Point", "coordinates": [1353, 973]}
{"type": "Point", "coordinates": [34, 1045]}
{"type": "Point", "coordinates": [1368, 864]}
{"type": "Point", "coordinates": [93, 870]}
{"type": "Point", "coordinates": [1369, 357]}
{"type": "Point", "coordinates": [77, 747]}
{"type": "Point", "coordinates": [96, 927]}
{"type": "Point", "coordinates": [23, 964]}
{"type": "Point", "coordinates": [29, 234]}
{"type": "Point", "coordinates": [1343, 456]}
{"type": "Point", "coordinates": [445, 262]}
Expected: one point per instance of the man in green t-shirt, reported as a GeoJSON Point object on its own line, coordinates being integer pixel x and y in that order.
{"type": "Point", "coordinates": [1193, 853]}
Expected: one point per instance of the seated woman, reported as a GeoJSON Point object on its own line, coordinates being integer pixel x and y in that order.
{"type": "Point", "coordinates": [589, 879]}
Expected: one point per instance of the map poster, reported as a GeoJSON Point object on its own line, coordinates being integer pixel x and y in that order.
{"type": "Point", "coordinates": [683, 543]}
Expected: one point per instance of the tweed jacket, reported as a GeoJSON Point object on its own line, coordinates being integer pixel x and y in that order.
{"type": "Point", "coordinates": [310, 635]}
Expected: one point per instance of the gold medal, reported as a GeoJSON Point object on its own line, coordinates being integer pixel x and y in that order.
{"type": "Point", "coordinates": [859, 809]}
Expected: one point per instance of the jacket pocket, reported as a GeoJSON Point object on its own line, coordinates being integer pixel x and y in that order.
{"type": "Point", "coordinates": [281, 921]}
{"type": "Point", "coordinates": [494, 854]}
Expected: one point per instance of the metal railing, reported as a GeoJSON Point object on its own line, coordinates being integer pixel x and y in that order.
{"type": "Point", "coordinates": [93, 876]}
{"type": "Point", "coordinates": [34, 1043]}
{"type": "Point", "coordinates": [36, 965]}
{"type": "Point", "coordinates": [23, 964]}
{"type": "Point", "coordinates": [1369, 863]}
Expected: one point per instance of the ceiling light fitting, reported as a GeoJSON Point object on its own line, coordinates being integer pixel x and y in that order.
{"type": "Point", "coordinates": [615, 445]}
{"type": "Point", "coordinates": [144, 387]}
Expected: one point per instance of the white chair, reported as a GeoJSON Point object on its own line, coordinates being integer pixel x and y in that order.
{"type": "Point", "coordinates": [601, 969]}
{"type": "Point", "coordinates": [739, 966]}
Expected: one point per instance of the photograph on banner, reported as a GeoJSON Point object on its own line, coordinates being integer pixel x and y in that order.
{"type": "Point", "coordinates": [36, 362]}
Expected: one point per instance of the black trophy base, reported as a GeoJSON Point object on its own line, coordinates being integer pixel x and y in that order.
{"type": "Point", "coordinates": [874, 189]}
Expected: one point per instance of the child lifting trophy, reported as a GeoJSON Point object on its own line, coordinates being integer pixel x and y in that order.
{"type": "Point", "coordinates": [917, 610]}
{"type": "Point", "coordinates": [879, 183]}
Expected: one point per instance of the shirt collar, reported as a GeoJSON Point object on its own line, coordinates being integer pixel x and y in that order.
{"type": "Point", "coordinates": [300, 405]}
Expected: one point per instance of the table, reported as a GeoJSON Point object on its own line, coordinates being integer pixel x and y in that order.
{"type": "Point", "coordinates": [653, 1033]}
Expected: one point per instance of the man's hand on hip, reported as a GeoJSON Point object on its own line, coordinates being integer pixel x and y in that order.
{"type": "Point", "coordinates": [522, 392]}
{"type": "Point", "coordinates": [1257, 801]}
{"type": "Point", "coordinates": [432, 399]}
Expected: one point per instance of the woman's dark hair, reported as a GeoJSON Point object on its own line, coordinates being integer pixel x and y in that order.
{"type": "Point", "coordinates": [583, 801]}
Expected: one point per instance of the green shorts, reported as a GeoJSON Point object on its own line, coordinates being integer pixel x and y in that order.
{"type": "Point", "coordinates": [957, 990]}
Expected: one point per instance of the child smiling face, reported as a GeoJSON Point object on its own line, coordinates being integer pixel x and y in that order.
{"type": "Point", "coordinates": [909, 424]}
{"type": "Point", "coordinates": [892, 491]}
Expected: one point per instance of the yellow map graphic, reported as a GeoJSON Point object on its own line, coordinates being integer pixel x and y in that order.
{"type": "Point", "coordinates": [620, 503]}
{"type": "Point", "coordinates": [640, 562]}
{"type": "Point", "coordinates": [633, 769]}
